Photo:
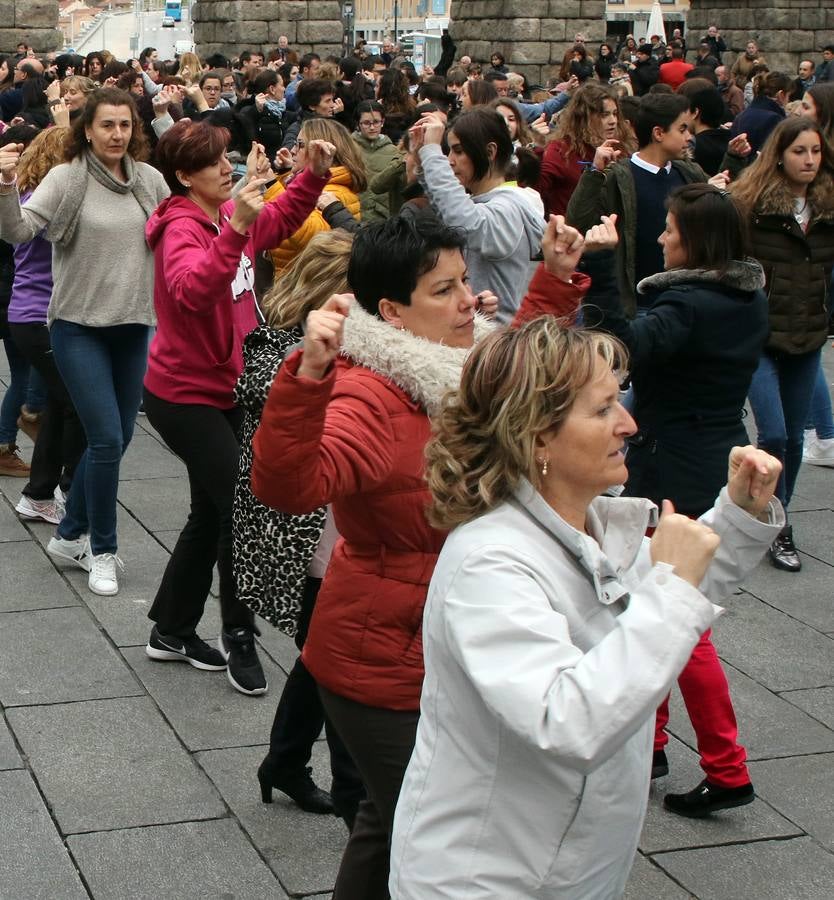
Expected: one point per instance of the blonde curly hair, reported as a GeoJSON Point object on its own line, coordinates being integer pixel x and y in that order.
{"type": "Point", "coordinates": [44, 153]}
{"type": "Point", "coordinates": [515, 386]}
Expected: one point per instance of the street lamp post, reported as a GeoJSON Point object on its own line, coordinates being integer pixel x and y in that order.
{"type": "Point", "coordinates": [396, 16]}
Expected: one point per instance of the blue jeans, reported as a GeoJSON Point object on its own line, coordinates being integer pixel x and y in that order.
{"type": "Point", "coordinates": [820, 417]}
{"type": "Point", "coordinates": [15, 395]}
{"type": "Point", "coordinates": [780, 396]}
{"type": "Point", "coordinates": [103, 370]}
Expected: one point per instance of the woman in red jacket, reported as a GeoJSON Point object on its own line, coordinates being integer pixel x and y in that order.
{"type": "Point", "coordinates": [204, 246]}
{"type": "Point", "coordinates": [350, 430]}
{"type": "Point", "coordinates": [591, 118]}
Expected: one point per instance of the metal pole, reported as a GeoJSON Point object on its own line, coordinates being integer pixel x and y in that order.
{"type": "Point", "coordinates": [396, 15]}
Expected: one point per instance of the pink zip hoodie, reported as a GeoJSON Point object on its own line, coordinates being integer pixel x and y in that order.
{"type": "Point", "coordinates": [203, 290]}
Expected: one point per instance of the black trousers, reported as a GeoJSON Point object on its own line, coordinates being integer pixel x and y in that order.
{"type": "Point", "coordinates": [380, 742]}
{"type": "Point", "coordinates": [206, 440]}
{"type": "Point", "coordinates": [299, 720]}
{"type": "Point", "coordinates": [61, 439]}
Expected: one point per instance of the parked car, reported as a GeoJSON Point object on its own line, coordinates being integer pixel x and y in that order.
{"type": "Point", "coordinates": [168, 22]}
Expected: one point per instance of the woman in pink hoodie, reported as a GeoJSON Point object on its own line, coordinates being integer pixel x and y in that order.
{"type": "Point", "coordinates": [204, 247]}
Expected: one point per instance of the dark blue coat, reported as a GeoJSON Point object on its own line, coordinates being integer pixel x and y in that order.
{"type": "Point", "coordinates": [757, 121]}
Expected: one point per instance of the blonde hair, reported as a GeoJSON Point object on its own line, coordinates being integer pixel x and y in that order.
{"type": "Point", "coordinates": [515, 386]}
{"type": "Point", "coordinates": [191, 62]}
{"type": "Point", "coordinates": [45, 152]}
{"type": "Point", "coordinates": [348, 153]}
{"type": "Point", "coordinates": [318, 271]}
{"type": "Point", "coordinates": [81, 82]}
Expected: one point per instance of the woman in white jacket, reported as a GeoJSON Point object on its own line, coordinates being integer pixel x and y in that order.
{"type": "Point", "coordinates": [553, 627]}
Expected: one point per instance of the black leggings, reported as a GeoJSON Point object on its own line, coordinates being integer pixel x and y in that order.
{"type": "Point", "coordinates": [206, 440]}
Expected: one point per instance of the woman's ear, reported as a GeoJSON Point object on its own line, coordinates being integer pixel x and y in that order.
{"type": "Point", "coordinates": [390, 312]}
{"type": "Point", "coordinates": [492, 151]}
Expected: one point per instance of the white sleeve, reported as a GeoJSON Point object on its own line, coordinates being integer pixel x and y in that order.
{"type": "Point", "coordinates": [520, 656]}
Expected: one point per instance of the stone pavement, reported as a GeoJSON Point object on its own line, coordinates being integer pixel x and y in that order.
{"type": "Point", "coordinates": [124, 778]}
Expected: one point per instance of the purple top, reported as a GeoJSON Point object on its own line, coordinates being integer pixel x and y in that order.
{"type": "Point", "coordinates": [32, 285]}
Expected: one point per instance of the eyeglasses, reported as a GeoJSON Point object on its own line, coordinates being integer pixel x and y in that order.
{"type": "Point", "coordinates": [377, 123]}
{"type": "Point", "coordinates": [211, 89]}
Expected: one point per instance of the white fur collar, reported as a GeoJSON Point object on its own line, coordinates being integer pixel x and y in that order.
{"type": "Point", "coordinates": [423, 369]}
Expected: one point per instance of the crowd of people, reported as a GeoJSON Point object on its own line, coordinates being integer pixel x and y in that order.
{"type": "Point", "coordinates": [458, 366]}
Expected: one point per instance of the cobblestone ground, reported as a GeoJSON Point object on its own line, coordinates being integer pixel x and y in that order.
{"type": "Point", "coordinates": [124, 778]}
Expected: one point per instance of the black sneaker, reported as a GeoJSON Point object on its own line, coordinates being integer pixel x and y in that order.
{"type": "Point", "coordinates": [193, 650]}
{"type": "Point", "coordinates": [244, 669]}
{"type": "Point", "coordinates": [783, 553]}
{"type": "Point", "coordinates": [708, 798]}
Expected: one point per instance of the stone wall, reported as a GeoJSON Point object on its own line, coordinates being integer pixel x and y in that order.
{"type": "Point", "coordinates": [229, 27]}
{"type": "Point", "coordinates": [32, 21]}
{"type": "Point", "coordinates": [533, 35]}
{"type": "Point", "coordinates": [786, 30]}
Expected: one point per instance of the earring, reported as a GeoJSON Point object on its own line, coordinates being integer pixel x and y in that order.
{"type": "Point", "coordinates": [186, 186]}
{"type": "Point", "coordinates": [544, 463]}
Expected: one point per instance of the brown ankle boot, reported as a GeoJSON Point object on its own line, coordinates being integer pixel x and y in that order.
{"type": "Point", "coordinates": [10, 463]}
{"type": "Point", "coordinates": [29, 423]}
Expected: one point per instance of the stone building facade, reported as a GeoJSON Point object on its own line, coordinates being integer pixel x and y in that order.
{"type": "Point", "coordinates": [32, 21]}
{"type": "Point", "coordinates": [230, 26]}
{"type": "Point", "coordinates": [533, 35]}
{"type": "Point", "coordinates": [786, 30]}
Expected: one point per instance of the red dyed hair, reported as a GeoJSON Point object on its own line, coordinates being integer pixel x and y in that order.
{"type": "Point", "coordinates": [188, 147]}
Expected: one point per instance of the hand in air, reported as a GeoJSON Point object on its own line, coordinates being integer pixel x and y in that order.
{"type": "Point", "coordinates": [685, 544]}
{"type": "Point", "coordinates": [752, 478]}
{"type": "Point", "coordinates": [323, 334]}
{"type": "Point", "coordinates": [603, 236]}
{"type": "Point", "coordinates": [561, 247]}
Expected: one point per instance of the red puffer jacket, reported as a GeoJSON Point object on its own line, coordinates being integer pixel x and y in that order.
{"type": "Point", "coordinates": [355, 439]}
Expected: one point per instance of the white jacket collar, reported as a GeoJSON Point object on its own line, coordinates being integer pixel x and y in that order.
{"type": "Point", "coordinates": [423, 369]}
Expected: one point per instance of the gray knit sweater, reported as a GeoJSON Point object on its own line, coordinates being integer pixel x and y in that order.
{"type": "Point", "coordinates": [104, 275]}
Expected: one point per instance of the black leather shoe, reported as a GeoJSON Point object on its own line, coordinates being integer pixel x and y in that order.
{"type": "Point", "coordinates": [783, 553]}
{"type": "Point", "coordinates": [708, 798]}
{"type": "Point", "coordinates": [660, 765]}
{"type": "Point", "coordinates": [298, 786]}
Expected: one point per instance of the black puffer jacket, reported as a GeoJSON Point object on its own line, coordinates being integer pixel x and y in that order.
{"type": "Point", "coordinates": [272, 550]}
{"type": "Point", "coordinates": [692, 358]}
{"type": "Point", "coordinates": [797, 265]}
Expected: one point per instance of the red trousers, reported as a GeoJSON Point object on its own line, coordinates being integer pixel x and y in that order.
{"type": "Point", "coordinates": [707, 698]}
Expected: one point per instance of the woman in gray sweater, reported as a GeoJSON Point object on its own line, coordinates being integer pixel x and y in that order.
{"type": "Point", "coordinates": [94, 209]}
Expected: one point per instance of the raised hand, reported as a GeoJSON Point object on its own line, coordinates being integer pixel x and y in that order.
{"type": "Point", "coordinates": [685, 544]}
{"type": "Point", "coordinates": [323, 334]}
{"type": "Point", "coordinates": [9, 158]}
{"type": "Point", "coordinates": [53, 90]}
{"type": "Point", "coordinates": [320, 155]}
{"type": "Point", "coordinates": [603, 236]}
{"type": "Point", "coordinates": [257, 164]}
{"type": "Point", "coordinates": [752, 478]}
{"type": "Point", "coordinates": [608, 152]}
{"type": "Point", "coordinates": [248, 205]}
{"type": "Point", "coordinates": [561, 248]}
{"type": "Point", "coordinates": [540, 128]}
{"type": "Point", "coordinates": [740, 146]}
{"type": "Point", "coordinates": [283, 159]}
{"type": "Point", "coordinates": [487, 303]}
{"type": "Point", "coordinates": [721, 180]}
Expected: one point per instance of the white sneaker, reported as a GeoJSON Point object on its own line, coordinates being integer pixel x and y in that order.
{"type": "Point", "coordinates": [819, 452]}
{"type": "Point", "coordinates": [76, 551]}
{"type": "Point", "coordinates": [59, 495]}
{"type": "Point", "coordinates": [103, 580]}
{"type": "Point", "coordinates": [45, 510]}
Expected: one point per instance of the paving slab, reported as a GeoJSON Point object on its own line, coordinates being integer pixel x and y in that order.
{"type": "Point", "coordinates": [161, 504]}
{"type": "Point", "coordinates": [28, 579]}
{"type": "Point", "coordinates": [189, 861]}
{"type": "Point", "coordinates": [302, 849]}
{"type": "Point", "coordinates": [148, 457]}
{"type": "Point", "coordinates": [806, 597]}
{"type": "Point", "coordinates": [34, 864]}
{"type": "Point", "coordinates": [112, 764]}
{"type": "Point", "coordinates": [772, 648]}
{"type": "Point", "coordinates": [56, 655]}
{"type": "Point", "coordinates": [649, 882]}
{"type": "Point", "coordinates": [797, 869]}
{"type": "Point", "coordinates": [817, 702]}
{"type": "Point", "coordinates": [11, 528]}
{"type": "Point", "coordinates": [769, 725]}
{"type": "Point", "coordinates": [9, 757]}
{"type": "Point", "coordinates": [800, 788]}
{"type": "Point", "coordinates": [203, 708]}
{"type": "Point", "coordinates": [666, 831]}
{"type": "Point", "coordinates": [813, 533]}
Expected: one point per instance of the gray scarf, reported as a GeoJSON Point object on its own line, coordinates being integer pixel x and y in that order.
{"type": "Point", "coordinates": [62, 227]}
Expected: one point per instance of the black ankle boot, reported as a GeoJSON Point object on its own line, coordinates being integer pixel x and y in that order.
{"type": "Point", "coordinates": [298, 786]}
{"type": "Point", "coordinates": [660, 765]}
{"type": "Point", "coordinates": [783, 553]}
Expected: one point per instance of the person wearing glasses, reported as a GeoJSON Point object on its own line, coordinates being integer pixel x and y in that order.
{"type": "Point", "coordinates": [378, 153]}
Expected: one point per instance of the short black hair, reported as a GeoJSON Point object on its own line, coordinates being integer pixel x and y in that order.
{"type": "Point", "coordinates": [264, 80]}
{"type": "Point", "coordinates": [658, 111]}
{"type": "Point", "coordinates": [475, 129]}
{"type": "Point", "coordinates": [492, 75]}
{"type": "Point", "coordinates": [311, 90]}
{"type": "Point", "coordinates": [217, 61]}
{"type": "Point", "coordinates": [307, 59]}
{"type": "Point", "coordinates": [389, 257]}
{"type": "Point", "coordinates": [710, 106]}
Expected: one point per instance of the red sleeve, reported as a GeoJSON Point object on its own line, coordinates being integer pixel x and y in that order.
{"type": "Point", "coordinates": [282, 217]}
{"type": "Point", "coordinates": [548, 295]}
{"type": "Point", "coordinates": [319, 440]}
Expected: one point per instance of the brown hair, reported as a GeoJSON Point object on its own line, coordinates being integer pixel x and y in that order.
{"type": "Point", "coordinates": [516, 385]}
{"type": "Point", "coordinates": [45, 152]}
{"type": "Point", "coordinates": [576, 123]}
{"type": "Point", "coordinates": [137, 147]}
{"type": "Point", "coordinates": [712, 230]}
{"type": "Point", "coordinates": [188, 147]}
